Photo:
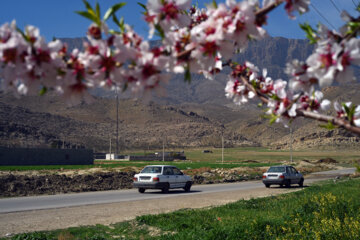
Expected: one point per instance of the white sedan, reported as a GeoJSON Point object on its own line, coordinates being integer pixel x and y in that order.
{"type": "Point", "coordinates": [162, 177]}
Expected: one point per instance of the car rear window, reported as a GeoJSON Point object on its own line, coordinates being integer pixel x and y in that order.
{"type": "Point", "coordinates": [276, 169]}
{"type": "Point", "coordinates": [151, 170]}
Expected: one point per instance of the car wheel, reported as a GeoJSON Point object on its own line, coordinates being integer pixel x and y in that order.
{"type": "Point", "coordinates": [287, 183]}
{"type": "Point", "coordinates": [187, 187]}
{"type": "Point", "coordinates": [141, 190]}
{"type": "Point", "coordinates": [165, 189]}
{"type": "Point", "coordinates": [301, 183]}
{"type": "Point", "coordinates": [267, 185]}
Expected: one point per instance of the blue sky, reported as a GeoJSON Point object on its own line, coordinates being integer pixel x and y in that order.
{"type": "Point", "coordinates": [56, 18]}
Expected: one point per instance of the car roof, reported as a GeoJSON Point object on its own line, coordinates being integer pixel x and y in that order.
{"type": "Point", "coordinates": [282, 166]}
{"type": "Point", "coordinates": [159, 166]}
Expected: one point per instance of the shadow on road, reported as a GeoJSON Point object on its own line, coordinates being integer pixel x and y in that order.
{"type": "Point", "coordinates": [170, 192]}
{"type": "Point", "coordinates": [291, 187]}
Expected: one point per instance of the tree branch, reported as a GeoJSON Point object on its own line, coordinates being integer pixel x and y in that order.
{"type": "Point", "coordinates": [324, 118]}
{"type": "Point", "coordinates": [263, 11]}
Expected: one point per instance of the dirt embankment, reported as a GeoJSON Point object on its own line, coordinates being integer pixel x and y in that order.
{"type": "Point", "coordinates": [23, 185]}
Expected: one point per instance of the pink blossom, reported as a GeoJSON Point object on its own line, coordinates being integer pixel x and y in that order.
{"type": "Point", "coordinates": [235, 88]}
{"type": "Point", "coordinates": [167, 13]}
{"type": "Point", "coordinates": [356, 119]}
{"type": "Point", "coordinates": [350, 55]}
{"type": "Point", "coordinates": [301, 6]}
{"type": "Point", "coordinates": [241, 23]}
{"type": "Point", "coordinates": [299, 79]}
{"type": "Point", "coordinates": [322, 64]}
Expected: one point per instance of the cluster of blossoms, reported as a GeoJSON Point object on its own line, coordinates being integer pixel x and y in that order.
{"type": "Point", "coordinates": [193, 41]}
{"type": "Point", "coordinates": [332, 60]}
{"type": "Point", "coordinates": [29, 65]}
{"type": "Point", "coordinates": [27, 61]}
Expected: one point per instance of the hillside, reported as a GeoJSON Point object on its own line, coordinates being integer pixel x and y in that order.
{"type": "Point", "coordinates": [191, 115]}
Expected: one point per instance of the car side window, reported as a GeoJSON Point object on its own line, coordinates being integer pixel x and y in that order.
{"type": "Point", "coordinates": [176, 171]}
{"type": "Point", "coordinates": [168, 171]}
{"type": "Point", "coordinates": [293, 170]}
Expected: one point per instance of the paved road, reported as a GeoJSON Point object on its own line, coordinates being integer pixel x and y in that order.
{"type": "Point", "coordinates": [9, 205]}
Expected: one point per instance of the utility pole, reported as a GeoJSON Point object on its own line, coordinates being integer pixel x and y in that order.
{"type": "Point", "coordinates": [163, 155]}
{"type": "Point", "coordinates": [222, 148]}
{"type": "Point", "coordinates": [110, 148]}
{"type": "Point", "coordinates": [291, 140]}
{"type": "Point", "coordinates": [117, 122]}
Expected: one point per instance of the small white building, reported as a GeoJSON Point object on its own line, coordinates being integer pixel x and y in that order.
{"type": "Point", "coordinates": [113, 156]}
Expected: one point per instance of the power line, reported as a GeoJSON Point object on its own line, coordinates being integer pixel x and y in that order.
{"type": "Point", "coordinates": [335, 6]}
{"type": "Point", "coordinates": [321, 15]}
{"type": "Point", "coordinates": [354, 3]}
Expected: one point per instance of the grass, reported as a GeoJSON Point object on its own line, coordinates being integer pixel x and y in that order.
{"type": "Point", "coordinates": [233, 157]}
{"type": "Point", "coordinates": [115, 164]}
{"type": "Point", "coordinates": [261, 154]}
{"type": "Point", "coordinates": [328, 211]}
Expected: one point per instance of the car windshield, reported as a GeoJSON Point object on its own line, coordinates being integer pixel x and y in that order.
{"type": "Point", "coordinates": [151, 169]}
{"type": "Point", "coordinates": [276, 169]}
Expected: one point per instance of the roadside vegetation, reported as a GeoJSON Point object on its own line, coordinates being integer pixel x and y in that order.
{"type": "Point", "coordinates": [326, 211]}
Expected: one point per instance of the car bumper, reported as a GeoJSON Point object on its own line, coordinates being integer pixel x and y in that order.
{"type": "Point", "coordinates": [274, 181]}
{"type": "Point", "coordinates": [150, 185]}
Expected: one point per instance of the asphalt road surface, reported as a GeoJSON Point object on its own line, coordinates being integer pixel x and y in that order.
{"type": "Point", "coordinates": [18, 204]}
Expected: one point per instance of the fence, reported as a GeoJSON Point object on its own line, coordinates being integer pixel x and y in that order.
{"type": "Point", "coordinates": [37, 156]}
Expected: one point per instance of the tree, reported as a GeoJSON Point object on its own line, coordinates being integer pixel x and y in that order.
{"type": "Point", "coordinates": [193, 41]}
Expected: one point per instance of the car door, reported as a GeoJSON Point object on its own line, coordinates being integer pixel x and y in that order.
{"type": "Point", "coordinates": [170, 177]}
{"type": "Point", "coordinates": [290, 175]}
{"type": "Point", "coordinates": [293, 175]}
{"type": "Point", "coordinates": [297, 176]}
{"type": "Point", "coordinates": [180, 178]}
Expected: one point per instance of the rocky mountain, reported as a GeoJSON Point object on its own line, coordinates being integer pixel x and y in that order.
{"type": "Point", "coordinates": [191, 115]}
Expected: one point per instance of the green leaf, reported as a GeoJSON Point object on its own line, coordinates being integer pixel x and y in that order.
{"type": "Point", "coordinates": [113, 32]}
{"type": "Point", "coordinates": [159, 31]}
{"type": "Point", "coordinates": [120, 23]}
{"type": "Point", "coordinates": [275, 97]}
{"type": "Point", "coordinates": [43, 91]}
{"type": "Point", "coordinates": [116, 21]}
{"type": "Point", "coordinates": [111, 11]}
{"type": "Point", "coordinates": [214, 4]}
{"type": "Point", "coordinates": [273, 119]}
{"type": "Point", "coordinates": [310, 32]}
{"type": "Point", "coordinates": [23, 34]}
{"type": "Point", "coordinates": [88, 7]}
{"type": "Point", "coordinates": [142, 5]}
{"type": "Point", "coordinates": [98, 10]}
{"type": "Point", "coordinates": [329, 126]}
{"type": "Point", "coordinates": [353, 26]}
{"type": "Point", "coordinates": [89, 16]}
{"type": "Point", "coordinates": [347, 110]}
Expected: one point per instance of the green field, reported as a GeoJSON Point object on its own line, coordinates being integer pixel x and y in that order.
{"type": "Point", "coordinates": [327, 211]}
{"type": "Point", "coordinates": [233, 157]}
{"type": "Point", "coordinates": [260, 154]}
